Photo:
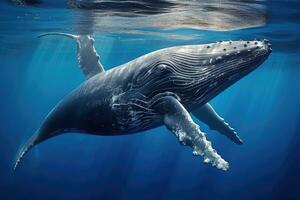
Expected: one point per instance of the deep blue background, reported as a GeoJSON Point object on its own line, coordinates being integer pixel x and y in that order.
{"type": "Point", "coordinates": [263, 107]}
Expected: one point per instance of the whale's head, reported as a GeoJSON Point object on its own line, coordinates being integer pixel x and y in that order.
{"type": "Point", "coordinates": [200, 72]}
{"type": "Point", "coordinates": [229, 61]}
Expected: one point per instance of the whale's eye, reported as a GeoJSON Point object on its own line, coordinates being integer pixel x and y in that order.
{"type": "Point", "coordinates": [162, 66]}
{"type": "Point", "coordinates": [162, 69]}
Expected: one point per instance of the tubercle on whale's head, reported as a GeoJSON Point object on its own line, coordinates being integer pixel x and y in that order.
{"type": "Point", "coordinates": [227, 50]}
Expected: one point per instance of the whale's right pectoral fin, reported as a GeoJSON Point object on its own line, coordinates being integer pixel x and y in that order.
{"type": "Point", "coordinates": [87, 55]}
{"type": "Point", "coordinates": [208, 115]}
{"type": "Point", "coordinates": [178, 120]}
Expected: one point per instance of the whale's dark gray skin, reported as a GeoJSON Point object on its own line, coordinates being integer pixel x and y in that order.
{"type": "Point", "coordinates": [159, 88]}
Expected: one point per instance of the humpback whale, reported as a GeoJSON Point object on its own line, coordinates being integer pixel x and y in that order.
{"type": "Point", "coordinates": [164, 87]}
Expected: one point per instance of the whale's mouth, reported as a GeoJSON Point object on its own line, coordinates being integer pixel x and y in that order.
{"type": "Point", "coordinates": [266, 47]}
{"type": "Point", "coordinates": [234, 64]}
{"type": "Point", "coordinates": [249, 59]}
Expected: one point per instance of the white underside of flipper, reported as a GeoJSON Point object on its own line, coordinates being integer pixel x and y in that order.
{"type": "Point", "coordinates": [178, 120]}
{"type": "Point", "coordinates": [87, 55]}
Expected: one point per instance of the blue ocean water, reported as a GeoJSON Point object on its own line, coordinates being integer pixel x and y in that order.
{"type": "Point", "coordinates": [263, 107]}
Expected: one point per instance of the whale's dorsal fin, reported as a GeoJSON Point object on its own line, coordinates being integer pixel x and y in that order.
{"type": "Point", "coordinates": [208, 115]}
{"type": "Point", "coordinates": [87, 55]}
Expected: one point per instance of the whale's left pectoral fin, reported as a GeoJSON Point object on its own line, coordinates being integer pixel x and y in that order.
{"type": "Point", "coordinates": [208, 115]}
{"type": "Point", "coordinates": [178, 120]}
{"type": "Point", "coordinates": [87, 55]}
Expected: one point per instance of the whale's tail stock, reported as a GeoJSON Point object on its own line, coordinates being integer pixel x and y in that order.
{"type": "Point", "coordinates": [38, 137]}
{"type": "Point", "coordinates": [33, 140]}
{"type": "Point", "coordinates": [52, 126]}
